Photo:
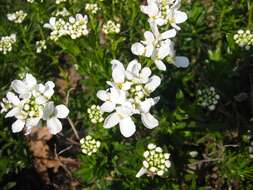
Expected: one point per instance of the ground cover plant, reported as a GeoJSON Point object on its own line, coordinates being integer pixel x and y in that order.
{"type": "Point", "coordinates": [133, 94]}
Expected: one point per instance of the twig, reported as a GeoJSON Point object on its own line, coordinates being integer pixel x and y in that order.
{"type": "Point", "coordinates": [69, 120]}
{"type": "Point", "coordinates": [73, 128]}
{"type": "Point", "coordinates": [65, 149]}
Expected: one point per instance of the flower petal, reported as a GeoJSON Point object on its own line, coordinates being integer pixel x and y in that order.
{"type": "Point", "coordinates": [180, 17]}
{"type": "Point", "coordinates": [160, 65]}
{"type": "Point", "coordinates": [169, 34]}
{"type": "Point", "coordinates": [118, 71]}
{"type": "Point", "coordinates": [17, 126]}
{"type": "Point", "coordinates": [54, 125]}
{"type": "Point", "coordinates": [127, 127]}
{"type": "Point", "coordinates": [137, 49]}
{"type": "Point", "coordinates": [182, 61]}
{"type": "Point", "coordinates": [149, 120]}
{"type": "Point", "coordinates": [107, 106]}
{"type": "Point", "coordinates": [154, 82]}
{"type": "Point", "coordinates": [13, 98]}
{"type": "Point", "coordinates": [61, 111]}
{"type": "Point", "coordinates": [19, 86]}
{"type": "Point", "coordinates": [141, 172]}
{"type": "Point", "coordinates": [12, 112]}
{"type": "Point", "coordinates": [30, 81]}
{"type": "Point", "coordinates": [102, 95]}
{"type": "Point", "coordinates": [112, 120]}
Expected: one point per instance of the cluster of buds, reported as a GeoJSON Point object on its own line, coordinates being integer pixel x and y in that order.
{"type": "Point", "coordinates": [40, 45]}
{"type": "Point", "coordinates": [60, 1]}
{"type": "Point", "coordinates": [61, 12]}
{"type": "Point", "coordinates": [244, 39]}
{"type": "Point", "coordinates": [17, 17]}
{"type": "Point", "coordinates": [95, 114]}
{"type": "Point", "coordinates": [91, 8]}
{"type": "Point", "coordinates": [155, 161]}
{"type": "Point", "coordinates": [6, 43]}
{"type": "Point", "coordinates": [111, 27]}
{"type": "Point", "coordinates": [89, 145]}
{"type": "Point", "coordinates": [208, 98]}
{"type": "Point", "coordinates": [248, 138]}
{"type": "Point", "coordinates": [75, 27]}
{"type": "Point", "coordinates": [30, 103]}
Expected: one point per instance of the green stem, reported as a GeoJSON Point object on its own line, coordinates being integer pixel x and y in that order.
{"type": "Point", "coordinates": [250, 9]}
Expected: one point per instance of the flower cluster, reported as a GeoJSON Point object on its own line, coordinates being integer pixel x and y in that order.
{"type": "Point", "coordinates": [159, 46]}
{"type": "Point", "coordinates": [208, 98]}
{"type": "Point", "coordinates": [17, 17]}
{"type": "Point", "coordinates": [244, 39]}
{"type": "Point", "coordinates": [30, 103]}
{"type": "Point", "coordinates": [40, 45]}
{"type": "Point", "coordinates": [91, 8]}
{"type": "Point", "coordinates": [129, 94]}
{"type": "Point", "coordinates": [95, 114]}
{"type": "Point", "coordinates": [60, 1]}
{"type": "Point", "coordinates": [155, 161]}
{"type": "Point", "coordinates": [89, 145]}
{"type": "Point", "coordinates": [111, 27]}
{"type": "Point", "coordinates": [6, 43]}
{"type": "Point", "coordinates": [75, 27]}
{"type": "Point", "coordinates": [61, 12]}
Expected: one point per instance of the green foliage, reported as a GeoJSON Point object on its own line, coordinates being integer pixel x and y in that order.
{"type": "Point", "coordinates": [216, 60]}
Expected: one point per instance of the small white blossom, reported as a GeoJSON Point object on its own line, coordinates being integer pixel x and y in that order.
{"type": "Point", "coordinates": [92, 8]}
{"type": "Point", "coordinates": [162, 12]}
{"type": "Point", "coordinates": [6, 43]}
{"type": "Point", "coordinates": [63, 12]}
{"type": "Point", "coordinates": [244, 39]}
{"type": "Point", "coordinates": [95, 114]}
{"type": "Point", "coordinates": [17, 17]}
{"type": "Point", "coordinates": [208, 98]}
{"type": "Point", "coordinates": [159, 47]}
{"type": "Point", "coordinates": [110, 27]}
{"type": "Point", "coordinates": [29, 102]}
{"type": "Point", "coordinates": [89, 145]}
{"type": "Point", "coordinates": [155, 162]}
{"type": "Point", "coordinates": [40, 45]}
{"type": "Point", "coordinates": [128, 95]}
{"type": "Point", "coordinates": [75, 27]}
{"type": "Point", "coordinates": [60, 1]}
{"type": "Point", "coordinates": [78, 26]}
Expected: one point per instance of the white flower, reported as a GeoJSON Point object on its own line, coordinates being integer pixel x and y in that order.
{"type": "Point", "coordinates": [122, 116]}
{"type": "Point", "coordinates": [95, 114]}
{"type": "Point", "coordinates": [60, 1]}
{"type": "Point", "coordinates": [78, 26]}
{"type": "Point", "coordinates": [29, 103]}
{"type": "Point", "coordinates": [208, 98]}
{"type": "Point", "coordinates": [40, 45]}
{"type": "Point", "coordinates": [244, 39]}
{"type": "Point", "coordinates": [89, 145]}
{"type": "Point", "coordinates": [63, 12]}
{"type": "Point", "coordinates": [159, 46]}
{"type": "Point", "coordinates": [111, 98]}
{"type": "Point", "coordinates": [6, 43]}
{"type": "Point", "coordinates": [92, 8]}
{"type": "Point", "coordinates": [75, 27]}
{"type": "Point", "coordinates": [24, 88]}
{"type": "Point", "coordinates": [161, 12]}
{"type": "Point", "coordinates": [128, 95]}
{"type": "Point", "coordinates": [17, 17]}
{"type": "Point", "coordinates": [155, 161]}
{"type": "Point", "coordinates": [111, 27]}
{"type": "Point", "coordinates": [51, 114]}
